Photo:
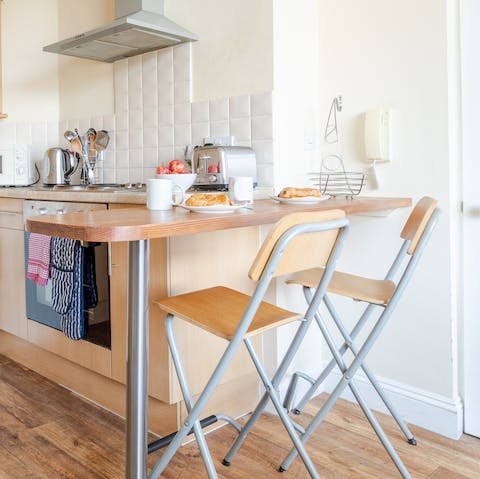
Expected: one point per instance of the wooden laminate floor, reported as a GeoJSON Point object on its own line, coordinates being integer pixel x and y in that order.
{"type": "Point", "coordinates": [47, 432]}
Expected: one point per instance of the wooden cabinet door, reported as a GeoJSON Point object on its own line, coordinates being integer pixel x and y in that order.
{"type": "Point", "coordinates": [12, 280]}
{"type": "Point", "coordinates": [12, 268]}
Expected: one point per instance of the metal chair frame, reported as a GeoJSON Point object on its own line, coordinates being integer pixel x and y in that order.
{"type": "Point", "coordinates": [195, 408]}
{"type": "Point", "coordinates": [413, 247]}
{"type": "Point", "coordinates": [360, 353]}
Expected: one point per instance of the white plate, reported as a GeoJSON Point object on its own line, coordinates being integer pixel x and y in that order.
{"type": "Point", "coordinates": [305, 199]}
{"type": "Point", "coordinates": [214, 208]}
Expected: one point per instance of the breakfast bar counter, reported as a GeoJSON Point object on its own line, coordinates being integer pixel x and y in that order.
{"type": "Point", "coordinates": [138, 226]}
{"type": "Point", "coordinates": [144, 224]}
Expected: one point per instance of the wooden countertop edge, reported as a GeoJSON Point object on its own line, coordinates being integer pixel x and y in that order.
{"type": "Point", "coordinates": [141, 223]}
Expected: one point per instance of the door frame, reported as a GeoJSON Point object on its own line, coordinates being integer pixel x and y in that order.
{"type": "Point", "coordinates": [469, 13]}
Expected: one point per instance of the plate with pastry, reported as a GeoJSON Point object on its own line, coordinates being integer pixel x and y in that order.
{"type": "Point", "coordinates": [300, 195]}
{"type": "Point", "coordinates": [211, 203]}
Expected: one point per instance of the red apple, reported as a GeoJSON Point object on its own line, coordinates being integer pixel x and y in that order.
{"type": "Point", "coordinates": [176, 166]}
{"type": "Point", "coordinates": [163, 170]}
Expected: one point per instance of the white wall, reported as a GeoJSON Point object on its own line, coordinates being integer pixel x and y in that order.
{"type": "Point", "coordinates": [30, 76]}
{"type": "Point", "coordinates": [234, 53]}
{"type": "Point", "coordinates": [85, 86]}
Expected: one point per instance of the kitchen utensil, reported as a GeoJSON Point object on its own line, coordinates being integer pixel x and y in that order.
{"type": "Point", "coordinates": [102, 140]}
{"type": "Point", "coordinates": [69, 135]}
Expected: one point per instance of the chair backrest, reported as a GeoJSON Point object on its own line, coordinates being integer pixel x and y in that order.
{"type": "Point", "coordinates": [417, 221]}
{"type": "Point", "coordinates": [305, 251]}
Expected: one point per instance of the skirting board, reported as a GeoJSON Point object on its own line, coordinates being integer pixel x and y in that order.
{"type": "Point", "coordinates": [431, 411]}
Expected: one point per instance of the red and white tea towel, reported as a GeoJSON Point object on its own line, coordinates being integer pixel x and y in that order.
{"type": "Point", "coordinates": [38, 267]}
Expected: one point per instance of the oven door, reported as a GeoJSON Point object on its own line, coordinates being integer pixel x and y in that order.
{"type": "Point", "coordinates": [97, 319]}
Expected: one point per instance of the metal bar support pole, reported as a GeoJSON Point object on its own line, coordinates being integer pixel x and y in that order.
{"type": "Point", "coordinates": [137, 359]}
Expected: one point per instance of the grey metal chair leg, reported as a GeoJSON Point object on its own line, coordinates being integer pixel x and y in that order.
{"type": "Point", "coordinates": [197, 408]}
{"type": "Point", "coordinates": [285, 363]}
{"type": "Point", "coordinates": [371, 377]}
{"type": "Point", "coordinates": [355, 331]}
{"type": "Point", "coordinates": [278, 376]}
{"type": "Point", "coordinates": [343, 383]}
{"type": "Point", "coordinates": [201, 442]}
{"type": "Point", "coordinates": [281, 412]}
{"type": "Point", "coordinates": [363, 405]}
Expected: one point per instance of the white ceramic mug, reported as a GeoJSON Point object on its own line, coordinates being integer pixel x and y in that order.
{"type": "Point", "coordinates": [161, 194]}
{"type": "Point", "coordinates": [240, 189]}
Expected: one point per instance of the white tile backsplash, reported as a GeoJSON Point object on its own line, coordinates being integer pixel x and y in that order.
{"type": "Point", "coordinates": [135, 119]}
{"type": "Point", "coordinates": [200, 111]}
{"type": "Point", "coordinates": [109, 123]}
{"type": "Point", "coordinates": [181, 63]}
{"type": "Point", "coordinates": [220, 128]}
{"type": "Point", "coordinates": [121, 121]}
{"type": "Point", "coordinates": [261, 104]}
{"type": "Point", "coordinates": [182, 92]}
{"type": "Point", "coordinates": [150, 137]}
{"type": "Point", "coordinates": [165, 116]}
{"type": "Point", "coordinates": [239, 106]}
{"type": "Point", "coordinates": [182, 113]}
{"type": "Point", "coordinates": [165, 135]}
{"type": "Point", "coordinates": [182, 135]}
{"type": "Point", "coordinates": [135, 158]}
{"type": "Point", "coordinates": [150, 157]}
{"type": "Point", "coordinates": [121, 159]}
{"type": "Point", "coordinates": [240, 128]}
{"type": "Point", "coordinates": [219, 110]}
{"type": "Point", "coordinates": [135, 138]}
{"type": "Point", "coordinates": [262, 128]}
{"type": "Point", "coordinates": [150, 118]}
{"type": "Point", "coordinates": [121, 140]}
{"type": "Point", "coordinates": [155, 119]}
{"type": "Point", "coordinates": [165, 155]}
{"type": "Point", "coordinates": [199, 132]}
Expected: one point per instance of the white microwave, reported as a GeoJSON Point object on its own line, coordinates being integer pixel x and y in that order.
{"type": "Point", "coordinates": [16, 165]}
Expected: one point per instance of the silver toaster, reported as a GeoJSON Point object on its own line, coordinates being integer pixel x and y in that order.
{"type": "Point", "coordinates": [215, 164]}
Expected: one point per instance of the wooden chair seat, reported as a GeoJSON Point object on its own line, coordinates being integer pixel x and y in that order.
{"type": "Point", "coordinates": [219, 311]}
{"type": "Point", "coordinates": [356, 287]}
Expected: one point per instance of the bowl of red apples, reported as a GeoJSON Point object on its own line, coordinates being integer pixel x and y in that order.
{"type": "Point", "coordinates": [178, 173]}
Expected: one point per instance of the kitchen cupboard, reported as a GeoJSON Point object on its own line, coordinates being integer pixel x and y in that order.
{"type": "Point", "coordinates": [12, 268]}
{"type": "Point", "coordinates": [178, 265]}
{"type": "Point", "coordinates": [98, 373]}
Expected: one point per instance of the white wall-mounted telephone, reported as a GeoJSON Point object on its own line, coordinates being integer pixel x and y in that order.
{"type": "Point", "coordinates": [378, 135]}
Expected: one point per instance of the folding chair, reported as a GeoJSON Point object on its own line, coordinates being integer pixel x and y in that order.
{"type": "Point", "coordinates": [297, 241]}
{"type": "Point", "coordinates": [383, 294]}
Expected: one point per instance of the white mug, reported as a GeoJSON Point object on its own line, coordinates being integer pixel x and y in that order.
{"type": "Point", "coordinates": [240, 189]}
{"type": "Point", "coordinates": [160, 194]}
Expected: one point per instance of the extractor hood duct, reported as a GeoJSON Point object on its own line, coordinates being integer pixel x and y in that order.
{"type": "Point", "coordinates": [139, 27]}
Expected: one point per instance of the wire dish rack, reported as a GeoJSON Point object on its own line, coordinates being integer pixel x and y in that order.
{"type": "Point", "coordinates": [339, 182]}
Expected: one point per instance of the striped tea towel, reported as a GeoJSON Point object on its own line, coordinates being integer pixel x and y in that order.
{"type": "Point", "coordinates": [67, 285]}
{"type": "Point", "coordinates": [38, 264]}
{"type": "Point", "coordinates": [90, 293]}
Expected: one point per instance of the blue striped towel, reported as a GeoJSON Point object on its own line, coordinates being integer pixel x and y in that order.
{"type": "Point", "coordinates": [67, 285]}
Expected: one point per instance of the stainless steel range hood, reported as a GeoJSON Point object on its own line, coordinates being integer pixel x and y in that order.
{"type": "Point", "coordinates": [139, 27]}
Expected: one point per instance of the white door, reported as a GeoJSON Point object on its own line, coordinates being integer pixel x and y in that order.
{"type": "Point", "coordinates": [470, 84]}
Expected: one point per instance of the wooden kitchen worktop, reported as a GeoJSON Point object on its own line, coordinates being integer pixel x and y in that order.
{"type": "Point", "coordinates": [141, 223]}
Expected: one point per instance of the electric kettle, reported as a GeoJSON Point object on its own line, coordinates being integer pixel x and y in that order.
{"type": "Point", "coordinates": [59, 164]}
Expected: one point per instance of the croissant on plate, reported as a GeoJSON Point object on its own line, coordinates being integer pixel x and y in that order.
{"type": "Point", "coordinates": [291, 192]}
{"type": "Point", "coordinates": [206, 199]}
